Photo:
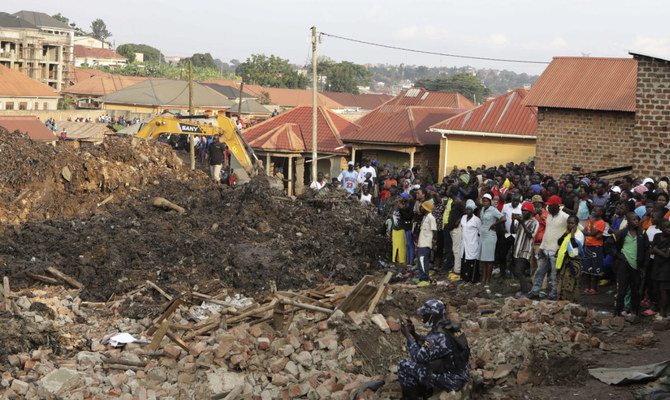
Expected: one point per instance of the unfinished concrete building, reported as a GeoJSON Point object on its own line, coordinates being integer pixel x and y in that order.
{"type": "Point", "coordinates": [37, 45]}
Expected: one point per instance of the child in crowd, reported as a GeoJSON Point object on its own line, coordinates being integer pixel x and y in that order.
{"type": "Point", "coordinates": [593, 251]}
{"type": "Point", "coordinates": [660, 249]}
{"type": "Point", "coordinates": [629, 248]}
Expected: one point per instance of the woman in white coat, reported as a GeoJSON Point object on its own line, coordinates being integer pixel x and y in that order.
{"type": "Point", "coordinates": [470, 243]}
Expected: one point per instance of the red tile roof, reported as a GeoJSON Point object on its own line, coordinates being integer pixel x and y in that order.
{"type": "Point", "coordinates": [27, 124]}
{"type": "Point", "coordinates": [94, 52]}
{"type": "Point", "coordinates": [80, 74]}
{"type": "Point", "coordinates": [100, 85]}
{"type": "Point", "coordinates": [589, 83]}
{"type": "Point", "coordinates": [503, 115]}
{"type": "Point", "coordinates": [15, 84]}
{"type": "Point", "coordinates": [291, 131]}
{"type": "Point", "coordinates": [362, 101]}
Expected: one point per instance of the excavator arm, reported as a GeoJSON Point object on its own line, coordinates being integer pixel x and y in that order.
{"type": "Point", "coordinates": [226, 129]}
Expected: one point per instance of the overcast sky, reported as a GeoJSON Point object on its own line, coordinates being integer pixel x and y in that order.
{"type": "Point", "coordinates": [520, 29]}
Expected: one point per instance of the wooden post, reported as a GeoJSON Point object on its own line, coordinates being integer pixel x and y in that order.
{"type": "Point", "coordinates": [191, 112]}
{"type": "Point", "coordinates": [290, 175]}
{"type": "Point", "coordinates": [411, 159]}
{"type": "Point", "coordinates": [239, 106]}
{"type": "Point", "coordinates": [314, 105]}
{"type": "Point", "coordinates": [268, 171]}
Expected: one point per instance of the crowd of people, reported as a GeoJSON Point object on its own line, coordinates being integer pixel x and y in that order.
{"type": "Point", "coordinates": [561, 237]}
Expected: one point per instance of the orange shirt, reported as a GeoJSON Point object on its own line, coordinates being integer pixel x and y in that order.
{"type": "Point", "coordinates": [600, 227]}
{"type": "Point", "coordinates": [667, 215]}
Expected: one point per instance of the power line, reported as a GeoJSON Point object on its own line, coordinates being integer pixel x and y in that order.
{"type": "Point", "coordinates": [432, 52]}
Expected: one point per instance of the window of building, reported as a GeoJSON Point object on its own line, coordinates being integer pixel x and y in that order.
{"type": "Point", "coordinates": [37, 106]}
{"type": "Point", "coordinates": [9, 105]}
{"type": "Point", "coordinates": [45, 106]}
{"type": "Point", "coordinates": [23, 105]}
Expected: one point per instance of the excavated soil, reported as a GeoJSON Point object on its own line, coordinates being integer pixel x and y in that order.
{"type": "Point", "coordinates": [243, 237]}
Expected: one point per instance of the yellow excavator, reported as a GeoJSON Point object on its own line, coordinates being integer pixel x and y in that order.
{"type": "Point", "coordinates": [191, 125]}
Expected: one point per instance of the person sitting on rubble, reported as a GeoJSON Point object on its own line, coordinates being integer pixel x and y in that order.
{"type": "Point", "coordinates": [438, 360]}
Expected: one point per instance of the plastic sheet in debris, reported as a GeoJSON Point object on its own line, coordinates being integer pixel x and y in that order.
{"type": "Point", "coordinates": [618, 376]}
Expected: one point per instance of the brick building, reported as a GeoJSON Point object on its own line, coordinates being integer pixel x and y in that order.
{"type": "Point", "coordinates": [651, 147]}
{"type": "Point", "coordinates": [586, 114]}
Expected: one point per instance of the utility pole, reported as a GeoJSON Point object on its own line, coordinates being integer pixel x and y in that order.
{"type": "Point", "coordinates": [191, 111]}
{"type": "Point", "coordinates": [314, 107]}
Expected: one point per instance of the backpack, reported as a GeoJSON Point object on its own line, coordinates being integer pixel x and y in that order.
{"type": "Point", "coordinates": [460, 356]}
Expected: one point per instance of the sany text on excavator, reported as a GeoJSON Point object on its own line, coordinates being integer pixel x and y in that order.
{"type": "Point", "coordinates": [225, 128]}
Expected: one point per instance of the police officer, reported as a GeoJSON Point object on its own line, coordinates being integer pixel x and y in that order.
{"type": "Point", "coordinates": [438, 360]}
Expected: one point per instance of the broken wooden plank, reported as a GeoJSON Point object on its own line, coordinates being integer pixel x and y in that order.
{"type": "Point", "coordinates": [176, 340]}
{"type": "Point", "coordinates": [229, 395]}
{"type": "Point", "coordinates": [159, 290]}
{"type": "Point", "coordinates": [92, 304]}
{"type": "Point", "coordinates": [305, 299]}
{"type": "Point", "coordinates": [306, 306]}
{"type": "Point", "coordinates": [123, 367]}
{"type": "Point", "coordinates": [348, 301]}
{"type": "Point", "coordinates": [71, 281]}
{"type": "Point", "coordinates": [250, 313]}
{"type": "Point", "coordinates": [118, 360]}
{"type": "Point", "coordinates": [380, 290]}
{"type": "Point", "coordinates": [42, 278]}
{"type": "Point", "coordinates": [170, 309]}
{"type": "Point", "coordinates": [158, 336]}
{"type": "Point", "coordinates": [202, 330]}
{"type": "Point", "coordinates": [105, 201]}
{"type": "Point", "coordinates": [278, 316]}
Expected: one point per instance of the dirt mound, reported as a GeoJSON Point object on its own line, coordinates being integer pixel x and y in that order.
{"type": "Point", "coordinates": [244, 237]}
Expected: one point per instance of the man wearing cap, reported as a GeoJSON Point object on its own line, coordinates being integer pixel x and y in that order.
{"type": "Point", "coordinates": [612, 201]}
{"type": "Point", "coordinates": [438, 360]}
{"type": "Point", "coordinates": [425, 242]}
{"type": "Point", "coordinates": [348, 177]}
{"type": "Point", "coordinates": [525, 227]}
{"type": "Point", "coordinates": [363, 172]}
{"type": "Point", "coordinates": [557, 221]}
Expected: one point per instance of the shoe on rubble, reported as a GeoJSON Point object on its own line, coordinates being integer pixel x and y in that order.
{"type": "Point", "coordinates": [496, 272]}
{"type": "Point", "coordinates": [453, 277]}
{"type": "Point", "coordinates": [423, 284]}
{"type": "Point", "coordinates": [604, 282]}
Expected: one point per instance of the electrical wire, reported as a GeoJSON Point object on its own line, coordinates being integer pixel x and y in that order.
{"type": "Point", "coordinates": [432, 52]}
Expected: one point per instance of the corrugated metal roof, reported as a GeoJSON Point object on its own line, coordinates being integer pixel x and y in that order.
{"type": "Point", "coordinates": [362, 101]}
{"type": "Point", "coordinates": [15, 84]}
{"type": "Point", "coordinates": [504, 115]}
{"type": "Point", "coordinates": [281, 132]}
{"type": "Point", "coordinates": [402, 125]}
{"type": "Point", "coordinates": [27, 124]}
{"type": "Point", "coordinates": [589, 83]}
{"type": "Point", "coordinates": [281, 96]}
{"type": "Point", "coordinates": [87, 131]}
{"type": "Point", "coordinates": [100, 85]}
{"type": "Point", "coordinates": [231, 92]}
{"type": "Point", "coordinates": [167, 93]}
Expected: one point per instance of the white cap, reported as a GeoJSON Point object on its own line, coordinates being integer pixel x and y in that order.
{"type": "Point", "coordinates": [615, 189]}
{"type": "Point", "coordinates": [647, 180]}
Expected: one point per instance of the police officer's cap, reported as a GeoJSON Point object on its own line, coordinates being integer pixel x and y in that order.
{"type": "Point", "coordinates": [432, 306]}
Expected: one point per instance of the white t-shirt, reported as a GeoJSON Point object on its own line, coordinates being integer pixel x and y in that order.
{"type": "Point", "coordinates": [366, 198]}
{"type": "Point", "coordinates": [579, 236]}
{"type": "Point", "coordinates": [651, 232]}
{"type": "Point", "coordinates": [555, 228]}
{"type": "Point", "coordinates": [316, 185]}
{"type": "Point", "coordinates": [428, 226]}
{"type": "Point", "coordinates": [364, 171]}
{"type": "Point", "coordinates": [507, 212]}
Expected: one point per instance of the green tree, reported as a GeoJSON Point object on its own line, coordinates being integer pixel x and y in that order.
{"type": "Point", "coordinates": [151, 55]}
{"type": "Point", "coordinates": [346, 77]}
{"type": "Point", "coordinates": [77, 30]}
{"type": "Point", "coordinates": [200, 60]}
{"type": "Point", "coordinates": [271, 71]}
{"type": "Point", "coordinates": [99, 30]}
{"type": "Point", "coordinates": [465, 84]}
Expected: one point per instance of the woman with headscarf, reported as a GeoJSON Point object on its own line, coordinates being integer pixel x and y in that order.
{"type": "Point", "coordinates": [490, 217]}
{"type": "Point", "coordinates": [470, 224]}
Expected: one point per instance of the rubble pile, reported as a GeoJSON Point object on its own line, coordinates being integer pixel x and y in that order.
{"type": "Point", "coordinates": [311, 354]}
{"type": "Point", "coordinates": [101, 228]}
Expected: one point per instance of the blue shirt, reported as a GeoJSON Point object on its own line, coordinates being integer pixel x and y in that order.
{"type": "Point", "coordinates": [348, 179]}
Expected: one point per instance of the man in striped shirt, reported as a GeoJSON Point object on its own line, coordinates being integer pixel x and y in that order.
{"type": "Point", "coordinates": [525, 227]}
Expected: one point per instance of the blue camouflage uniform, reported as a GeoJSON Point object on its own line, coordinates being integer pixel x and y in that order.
{"type": "Point", "coordinates": [436, 345]}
